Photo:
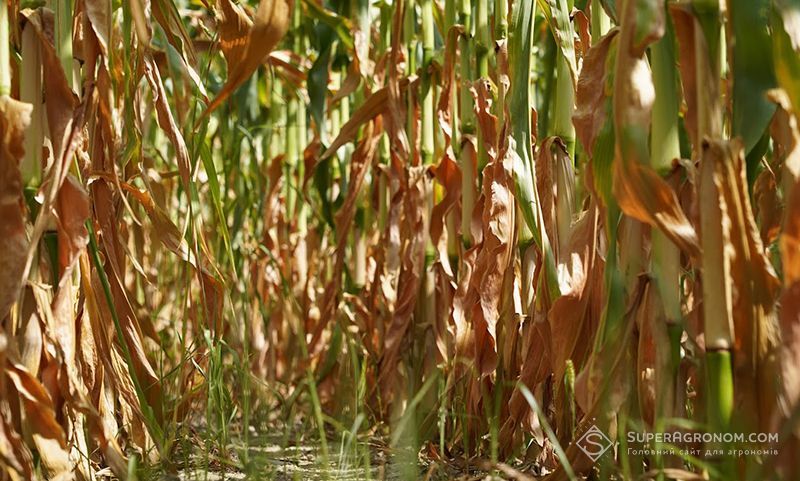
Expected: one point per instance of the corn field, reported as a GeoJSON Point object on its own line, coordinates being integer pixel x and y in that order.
{"type": "Point", "coordinates": [486, 239]}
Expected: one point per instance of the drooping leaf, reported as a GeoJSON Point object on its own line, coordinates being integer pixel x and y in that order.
{"type": "Point", "coordinates": [785, 36]}
{"type": "Point", "coordinates": [14, 119]}
{"type": "Point", "coordinates": [753, 284]}
{"type": "Point", "coordinates": [248, 43]}
{"type": "Point", "coordinates": [556, 12]}
{"type": "Point", "coordinates": [639, 190]}
{"type": "Point", "coordinates": [753, 71]}
{"type": "Point", "coordinates": [594, 89]}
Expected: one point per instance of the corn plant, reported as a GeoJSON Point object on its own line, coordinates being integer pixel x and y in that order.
{"type": "Point", "coordinates": [496, 235]}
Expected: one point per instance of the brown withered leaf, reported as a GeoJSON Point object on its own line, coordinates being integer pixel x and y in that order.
{"type": "Point", "coordinates": [14, 119]}
{"type": "Point", "coordinates": [105, 215]}
{"type": "Point", "coordinates": [166, 120]}
{"type": "Point", "coordinates": [786, 139]}
{"type": "Point", "coordinates": [376, 104]}
{"type": "Point", "coordinates": [691, 43]}
{"type": "Point", "coordinates": [574, 316]}
{"type": "Point", "coordinates": [373, 106]}
{"type": "Point", "coordinates": [349, 85]}
{"type": "Point", "coordinates": [493, 261]}
{"type": "Point", "coordinates": [61, 101]}
{"type": "Point", "coordinates": [593, 89]}
{"type": "Point", "coordinates": [685, 31]}
{"type": "Point", "coordinates": [448, 175]}
{"type": "Point", "coordinates": [753, 280]}
{"type": "Point", "coordinates": [651, 331]}
{"type": "Point", "coordinates": [481, 92]}
{"type": "Point", "coordinates": [360, 164]}
{"type": "Point", "coordinates": [608, 376]}
{"type": "Point", "coordinates": [94, 345]}
{"type": "Point", "coordinates": [768, 206]}
{"type": "Point", "coordinates": [555, 183]}
{"type": "Point", "coordinates": [790, 354]}
{"type": "Point", "coordinates": [583, 41]}
{"type": "Point", "coordinates": [790, 237]}
{"type": "Point", "coordinates": [535, 369]}
{"type": "Point", "coordinates": [98, 13]}
{"type": "Point", "coordinates": [65, 120]}
{"type": "Point", "coordinates": [16, 460]}
{"type": "Point", "coordinates": [443, 109]}
{"type": "Point", "coordinates": [170, 237]}
{"type": "Point", "coordinates": [48, 435]}
{"type": "Point", "coordinates": [247, 43]}
{"type": "Point", "coordinates": [639, 190]}
{"type": "Point", "coordinates": [408, 233]}
{"type": "Point", "coordinates": [72, 211]}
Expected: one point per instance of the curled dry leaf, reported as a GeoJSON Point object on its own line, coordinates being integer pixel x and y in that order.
{"type": "Point", "coordinates": [412, 257]}
{"type": "Point", "coordinates": [166, 120]}
{"type": "Point", "coordinates": [376, 104]}
{"type": "Point", "coordinates": [639, 190]}
{"type": "Point", "coordinates": [447, 174]}
{"type": "Point", "coordinates": [40, 417]}
{"type": "Point", "coordinates": [14, 119]}
{"type": "Point", "coordinates": [593, 92]}
{"type": "Point", "coordinates": [247, 43]}
{"type": "Point", "coordinates": [790, 355]}
{"type": "Point", "coordinates": [360, 165]}
{"type": "Point", "coordinates": [753, 283]}
{"type": "Point", "coordinates": [15, 459]}
{"type": "Point", "coordinates": [493, 260]}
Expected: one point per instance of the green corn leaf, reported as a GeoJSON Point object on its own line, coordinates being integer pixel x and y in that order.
{"type": "Point", "coordinates": [753, 71]}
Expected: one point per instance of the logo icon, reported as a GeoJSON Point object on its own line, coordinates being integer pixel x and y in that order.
{"type": "Point", "coordinates": [594, 443]}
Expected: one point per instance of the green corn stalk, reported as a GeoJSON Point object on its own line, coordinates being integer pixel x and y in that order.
{"type": "Point", "coordinates": [501, 37]}
{"type": "Point", "coordinates": [276, 122]}
{"type": "Point", "coordinates": [452, 228]}
{"type": "Point", "coordinates": [600, 21]}
{"type": "Point", "coordinates": [482, 41]}
{"type": "Point", "coordinates": [666, 257]}
{"type": "Point", "coordinates": [63, 37]}
{"type": "Point", "coordinates": [564, 105]}
{"type": "Point", "coordinates": [409, 34]}
{"type": "Point", "coordinates": [569, 398]}
{"type": "Point", "coordinates": [428, 114]}
{"type": "Point", "coordinates": [449, 21]}
{"type": "Point", "coordinates": [482, 38]}
{"type": "Point", "coordinates": [467, 120]}
{"type": "Point", "coordinates": [716, 288]}
{"type": "Point", "coordinates": [519, 98]}
{"type": "Point", "coordinates": [427, 147]}
{"type": "Point", "coordinates": [30, 91]}
{"type": "Point", "coordinates": [295, 116]}
{"type": "Point", "coordinates": [385, 40]}
{"type": "Point", "coordinates": [5, 53]}
{"type": "Point", "coordinates": [292, 157]}
{"type": "Point", "coordinates": [565, 91]}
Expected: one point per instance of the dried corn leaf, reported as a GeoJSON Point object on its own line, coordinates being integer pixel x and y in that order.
{"type": "Point", "coordinates": [246, 43]}
{"type": "Point", "coordinates": [14, 119]}
{"type": "Point", "coordinates": [40, 418]}
{"type": "Point", "coordinates": [639, 190]}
